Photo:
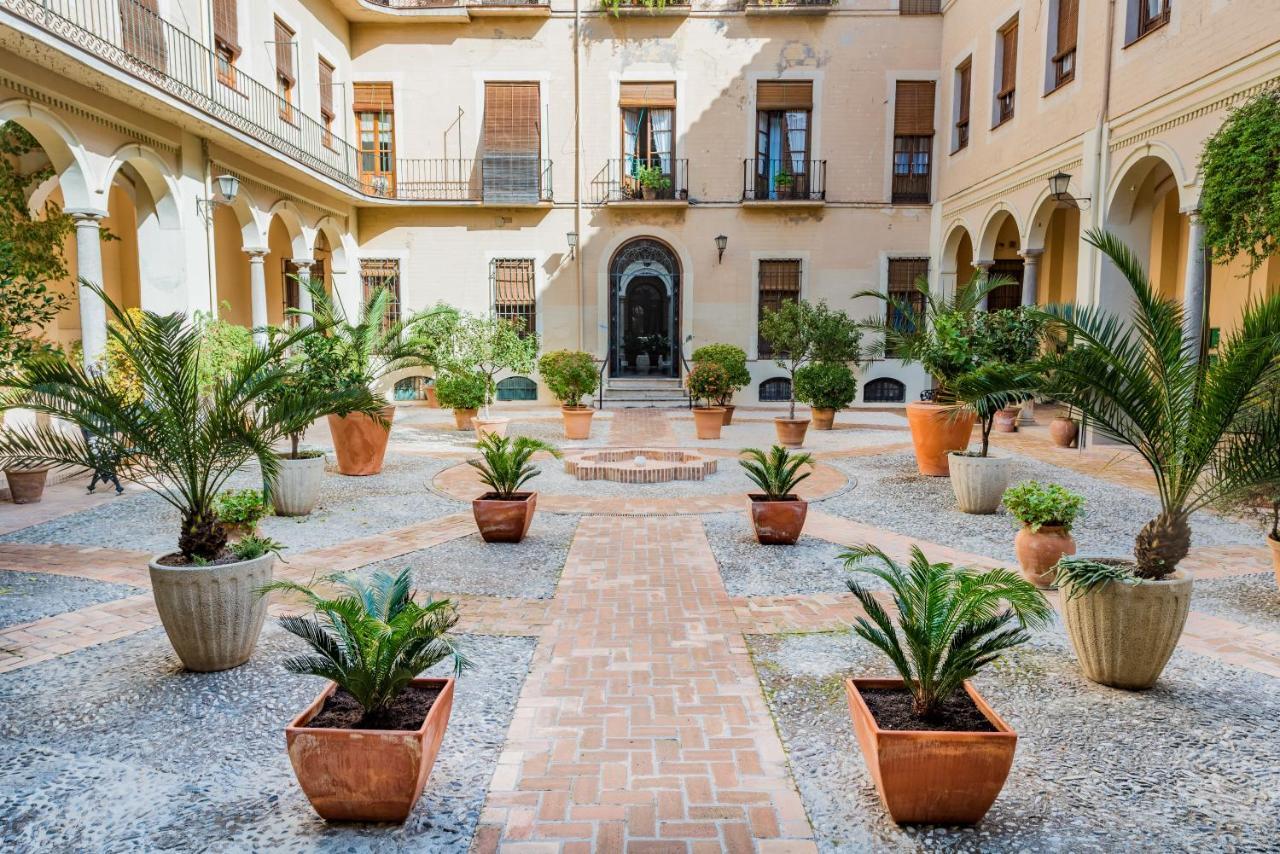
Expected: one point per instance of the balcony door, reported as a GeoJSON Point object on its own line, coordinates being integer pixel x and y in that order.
{"type": "Point", "coordinates": [644, 310]}
{"type": "Point", "coordinates": [375, 136]}
{"type": "Point", "coordinates": [648, 140]}
{"type": "Point", "coordinates": [784, 110]}
{"type": "Point", "coordinates": [512, 142]}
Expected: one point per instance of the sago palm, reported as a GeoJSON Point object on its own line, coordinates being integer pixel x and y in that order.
{"type": "Point", "coordinates": [370, 636]}
{"type": "Point", "coordinates": [504, 463]}
{"type": "Point", "coordinates": [951, 621]}
{"type": "Point", "coordinates": [1139, 382]}
{"type": "Point", "coordinates": [777, 473]}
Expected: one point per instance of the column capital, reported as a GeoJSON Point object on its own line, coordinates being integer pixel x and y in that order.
{"type": "Point", "coordinates": [303, 263]}
{"type": "Point", "coordinates": [1031, 255]}
{"type": "Point", "coordinates": [83, 215]}
{"type": "Point", "coordinates": [984, 263]}
{"type": "Point", "coordinates": [1192, 212]}
{"type": "Point", "coordinates": [256, 253]}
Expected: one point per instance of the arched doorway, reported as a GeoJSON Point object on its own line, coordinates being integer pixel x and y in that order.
{"type": "Point", "coordinates": [644, 309]}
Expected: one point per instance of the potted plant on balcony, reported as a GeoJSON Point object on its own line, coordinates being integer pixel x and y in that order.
{"type": "Point", "coordinates": [784, 182]}
{"type": "Point", "coordinates": [1139, 384]}
{"type": "Point", "coordinates": [734, 361]}
{"type": "Point", "coordinates": [1047, 512]}
{"type": "Point", "coordinates": [938, 753]}
{"type": "Point", "coordinates": [800, 332]}
{"type": "Point", "coordinates": [571, 376]}
{"type": "Point", "coordinates": [464, 392]}
{"type": "Point", "coordinates": [654, 183]}
{"type": "Point", "coordinates": [777, 513]}
{"type": "Point", "coordinates": [827, 387]}
{"type": "Point", "coordinates": [183, 444]}
{"type": "Point", "coordinates": [707, 383]}
{"type": "Point", "coordinates": [487, 346]}
{"type": "Point", "coordinates": [979, 479]}
{"type": "Point", "coordinates": [363, 749]}
{"type": "Point", "coordinates": [504, 514]}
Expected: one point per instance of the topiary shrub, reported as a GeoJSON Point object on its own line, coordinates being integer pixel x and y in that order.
{"type": "Point", "coordinates": [734, 361]}
{"type": "Point", "coordinates": [826, 385]}
{"type": "Point", "coordinates": [461, 390]}
{"type": "Point", "coordinates": [570, 374]}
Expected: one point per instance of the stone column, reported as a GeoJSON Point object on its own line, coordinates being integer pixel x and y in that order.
{"type": "Point", "coordinates": [984, 268]}
{"type": "Point", "coordinates": [93, 311]}
{"type": "Point", "coordinates": [1031, 276]}
{"type": "Point", "coordinates": [258, 294]}
{"type": "Point", "coordinates": [304, 285]}
{"type": "Point", "coordinates": [1193, 306]}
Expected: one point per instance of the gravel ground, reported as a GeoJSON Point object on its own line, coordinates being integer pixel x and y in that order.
{"type": "Point", "coordinates": [530, 568]}
{"type": "Point", "coordinates": [750, 569]}
{"type": "Point", "coordinates": [1250, 599]}
{"type": "Point", "coordinates": [119, 750]}
{"type": "Point", "coordinates": [1188, 766]}
{"type": "Point", "coordinates": [27, 596]}
{"type": "Point", "coordinates": [890, 493]}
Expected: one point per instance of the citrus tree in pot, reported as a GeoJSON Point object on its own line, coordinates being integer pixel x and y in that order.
{"type": "Point", "coordinates": [734, 361]}
{"type": "Point", "coordinates": [1047, 513]}
{"type": "Point", "coordinates": [827, 387]}
{"type": "Point", "coordinates": [571, 375]}
{"type": "Point", "coordinates": [979, 479]}
{"type": "Point", "coordinates": [488, 345]}
{"type": "Point", "coordinates": [430, 333]}
{"type": "Point", "coordinates": [777, 513]}
{"type": "Point", "coordinates": [504, 514]}
{"type": "Point", "coordinates": [1138, 382]}
{"type": "Point", "coordinates": [363, 749]}
{"type": "Point", "coordinates": [462, 391]}
{"type": "Point", "coordinates": [707, 383]}
{"type": "Point", "coordinates": [938, 753]}
{"type": "Point", "coordinates": [183, 444]}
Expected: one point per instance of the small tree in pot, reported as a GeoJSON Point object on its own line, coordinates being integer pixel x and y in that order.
{"type": "Point", "coordinates": [827, 387]}
{"type": "Point", "coordinates": [571, 375]}
{"type": "Point", "coordinates": [1047, 513]}
{"type": "Point", "coordinates": [777, 513]}
{"type": "Point", "coordinates": [504, 513]}
{"type": "Point", "coordinates": [734, 361]}
{"type": "Point", "coordinates": [489, 345]}
{"type": "Point", "coordinates": [707, 383]}
{"type": "Point", "coordinates": [464, 392]}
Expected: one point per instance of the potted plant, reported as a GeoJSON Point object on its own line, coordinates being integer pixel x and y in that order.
{"type": "Point", "coordinates": [784, 182]}
{"type": "Point", "coordinates": [734, 361]}
{"type": "Point", "coordinates": [777, 513]}
{"type": "Point", "coordinates": [708, 382]}
{"type": "Point", "coordinates": [800, 332]}
{"type": "Point", "coordinates": [1138, 384]}
{"type": "Point", "coordinates": [653, 182]}
{"type": "Point", "coordinates": [26, 483]}
{"type": "Point", "coordinates": [182, 444]}
{"type": "Point", "coordinates": [240, 511]}
{"type": "Point", "coordinates": [826, 387]}
{"type": "Point", "coordinates": [938, 753]}
{"type": "Point", "coordinates": [1064, 430]}
{"type": "Point", "coordinates": [1047, 512]}
{"type": "Point", "coordinates": [305, 371]}
{"type": "Point", "coordinates": [463, 392]}
{"type": "Point", "coordinates": [504, 514]}
{"type": "Point", "coordinates": [486, 346]}
{"type": "Point", "coordinates": [363, 749]}
{"type": "Point", "coordinates": [430, 332]}
{"type": "Point", "coordinates": [977, 478]}
{"type": "Point", "coordinates": [571, 376]}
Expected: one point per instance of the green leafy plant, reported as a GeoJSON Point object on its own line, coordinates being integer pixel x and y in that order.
{"type": "Point", "coordinates": [570, 374]}
{"type": "Point", "coordinates": [950, 623]}
{"type": "Point", "coordinates": [1035, 504]}
{"type": "Point", "coordinates": [488, 345]}
{"type": "Point", "coordinates": [826, 385]}
{"type": "Point", "coordinates": [653, 178]}
{"type": "Point", "coordinates": [778, 472]}
{"type": "Point", "coordinates": [801, 332]}
{"type": "Point", "coordinates": [1256, 444]}
{"type": "Point", "coordinates": [615, 6]}
{"type": "Point", "coordinates": [253, 547]}
{"type": "Point", "coordinates": [1079, 576]}
{"type": "Point", "coordinates": [734, 361]}
{"type": "Point", "coordinates": [1137, 382]}
{"type": "Point", "coordinates": [708, 382]}
{"type": "Point", "coordinates": [241, 507]}
{"type": "Point", "coordinates": [504, 462]}
{"type": "Point", "coordinates": [988, 389]}
{"type": "Point", "coordinates": [1240, 189]}
{"type": "Point", "coordinates": [1011, 336]}
{"type": "Point", "coordinates": [430, 332]}
{"type": "Point", "coordinates": [370, 637]}
{"type": "Point", "coordinates": [222, 346]}
{"type": "Point", "coordinates": [461, 390]}
{"type": "Point", "coordinates": [784, 180]}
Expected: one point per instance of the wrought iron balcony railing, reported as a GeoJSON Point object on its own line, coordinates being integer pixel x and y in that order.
{"type": "Point", "coordinates": [788, 180]}
{"type": "Point", "coordinates": [634, 179]}
{"type": "Point", "coordinates": [501, 179]}
{"type": "Point", "coordinates": [793, 7]}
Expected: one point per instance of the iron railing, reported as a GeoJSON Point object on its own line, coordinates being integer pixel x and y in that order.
{"type": "Point", "coordinates": [504, 179]}
{"type": "Point", "coordinates": [625, 179]}
{"type": "Point", "coordinates": [792, 5]}
{"type": "Point", "coordinates": [783, 180]}
{"type": "Point", "coordinates": [450, 4]}
{"type": "Point", "coordinates": [920, 7]}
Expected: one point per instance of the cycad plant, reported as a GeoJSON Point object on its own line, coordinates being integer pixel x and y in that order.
{"type": "Point", "coordinates": [778, 472]}
{"type": "Point", "coordinates": [1138, 381]}
{"type": "Point", "coordinates": [951, 621]}
{"type": "Point", "coordinates": [988, 389]}
{"type": "Point", "coordinates": [504, 462]}
{"type": "Point", "coordinates": [370, 636]}
{"type": "Point", "coordinates": [174, 439]}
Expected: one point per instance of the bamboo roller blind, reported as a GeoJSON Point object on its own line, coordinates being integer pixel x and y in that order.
{"type": "Point", "coordinates": [784, 95]}
{"type": "Point", "coordinates": [913, 108]}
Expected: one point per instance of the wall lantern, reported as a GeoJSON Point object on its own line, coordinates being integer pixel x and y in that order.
{"type": "Point", "coordinates": [228, 188]}
{"type": "Point", "coordinates": [1060, 191]}
{"type": "Point", "coordinates": [722, 242]}
{"type": "Point", "coordinates": [572, 239]}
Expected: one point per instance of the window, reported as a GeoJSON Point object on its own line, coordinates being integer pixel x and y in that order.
{"type": "Point", "coordinates": [226, 40]}
{"type": "Point", "coordinates": [783, 112]}
{"type": "Point", "coordinates": [512, 142]}
{"type": "Point", "coordinates": [411, 388]}
{"type": "Point", "coordinates": [517, 388]}
{"type": "Point", "coordinates": [285, 78]}
{"type": "Point", "coordinates": [326, 101]}
{"type": "Point", "coordinates": [779, 283]}
{"type": "Point", "coordinates": [375, 137]}
{"type": "Point", "coordinates": [775, 390]}
{"type": "Point", "coordinates": [511, 281]}
{"type": "Point", "coordinates": [142, 32]}
{"type": "Point", "coordinates": [964, 77]}
{"type": "Point", "coordinates": [648, 117]}
{"type": "Point", "coordinates": [912, 141]}
{"type": "Point", "coordinates": [1152, 14]}
{"type": "Point", "coordinates": [382, 273]}
{"type": "Point", "coordinates": [1066, 24]}
{"type": "Point", "coordinates": [919, 7]}
{"type": "Point", "coordinates": [904, 273]}
{"type": "Point", "coordinates": [884, 390]}
{"type": "Point", "coordinates": [1010, 295]}
{"type": "Point", "coordinates": [1007, 72]}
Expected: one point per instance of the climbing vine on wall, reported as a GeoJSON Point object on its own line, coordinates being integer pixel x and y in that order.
{"type": "Point", "coordinates": [1240, 199]}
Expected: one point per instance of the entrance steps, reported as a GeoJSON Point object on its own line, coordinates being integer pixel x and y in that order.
{"type": "Point", "coordinates": [651, 392]}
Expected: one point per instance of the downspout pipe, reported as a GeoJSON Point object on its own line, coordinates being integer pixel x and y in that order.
{"type": "Point", "coordinates": [577, 164]}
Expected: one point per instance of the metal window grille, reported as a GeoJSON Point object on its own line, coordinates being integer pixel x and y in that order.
{"type": "Point", "coordinates": [1010, 295]}
{"type": "Point", "coordinates": [904, 273]}
{"type": "Point", "coordinates": [779, 283]}
{"type": "Point", "coordinates": [775, 390]}
{"type": "Point", "coordinates": [382, 273]}
{"type": "Point", "coordinates": [884, 390]}
{"type": "Point", "coordinates": [511, 281]}
{"type": "Point", "coordinates": [517, 388]}
{"type": "Point", "coordinates": [411, 388]}
{"type": "Point", "coordinates": [920, 7]}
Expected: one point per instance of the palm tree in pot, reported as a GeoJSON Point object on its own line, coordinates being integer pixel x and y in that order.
{"type": "Point", "coordinates": [977, 478]}
{"type": "Point", "coordinates": [504, 513]}
{"type": "Point", "coordinates": [777, 513]}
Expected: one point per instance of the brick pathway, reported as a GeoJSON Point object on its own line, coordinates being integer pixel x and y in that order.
{"type": "Point", "coordinates": [641, 726]}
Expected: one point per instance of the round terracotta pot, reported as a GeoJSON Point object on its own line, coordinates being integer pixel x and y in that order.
{"type": "Point", "coordinates": [490, 426]}
{"type": "Point", "coordinates": [728, 413]}
{"type": "Point", "coordinates": [432, 401]}
{"type": "Point", "coordinates": [979, 483]}
{"type": "Point", "coordinates": [777, 523]}
{"type": "Point", "coordinates": [791, 431]}
{"type": "Point", "coordinates": [504, 520]}
{"type": "Point", "coordinates": [1275, 557]}
{"type": "Point", "coordinates": [936, 431]}
{"type": "Point", "coordinates": [359, 442]}
{"type": "Point", "coordinates": [823, 419]}
{"type": "Point", "coordinates": [577, 421]}
{"type": "Point", "coordinates": [26, 486]}
{"type": "Point", "coordinates": [708, 421]}
{"type": "Point", "coordinates": [1039, 552]}
{"type": "Point", "coordinates": [297, 488]}
{"type": "Point", "coordinates": [1006, 420]}
{"type": "Point", "coordinates": [463, 417]}
{"type": "Point", "coordinates": [1064, 432]}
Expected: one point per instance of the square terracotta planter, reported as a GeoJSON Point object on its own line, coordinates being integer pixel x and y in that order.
{"type": "Point", "coordinates": [367, 774]}
{"type": "Point", "coordinates": [929, 777]}
{"type": "Point", "coordinates": [504, 521]}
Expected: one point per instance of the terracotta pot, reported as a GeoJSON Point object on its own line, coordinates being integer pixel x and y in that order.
{"type": "Point", "coordinates": [463, 417]}
{"type": "Point", "coordinates": [297, 488]}
{"type": "Point", "coordinates": [823, 419]}
{"type": "Point", "coordinates": [577, 421]}
{"type": "Point", "coordinates": [936, 431]}
{"type": "Point", "coordinates": [1124, 634]}
{"type": "Point", "coordinates": [1006, 420]}
{"type": "Point", "coordinates": [930, 777]}
{"type": "Point", "coordinates": [504, 521]}
{"type": "Point", "coordinates": [979, 482]}
{"type": "Point", "coordinates": [778, 523]}
{"type": "Point", "coordinates": [1064, 432]}
{"type": "Point", "coordinates": [26, 486]}
{"type": "Point", "coordinates": [791, 431]}
{"type": "Point", "coordinates": [211, 613]}
{"type": "Point", "coordinates": [490, 426]}
{"type": "Point", "coordinates": [1275, 557]}
{"type": "Point", "coordinates": [1039, 552]}
{"type": "Point", "coordinates": [359, 442]}
{"type": "Point", "coordinates": [432, 401]}
{"type": "Point", "coordinates": [708, 421]}
{"type": "Point", "coordinates": [367, 774]}
{"type": "Point", "coordinates": [728, 413]}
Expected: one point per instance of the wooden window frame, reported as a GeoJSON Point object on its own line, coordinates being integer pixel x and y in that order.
{"type": "Point", "coordinates": [964, 104]}
{"type": "Point", "coordinates": [1148, 23]}
{"type": "Point", "coordinates": [1063, 59]}
{"type": "Point", "coordinates": [915, 102]}
{"type": "Point", "coordinates": [383, 107]}
{"type": "Point", "coordinates": [226, 45]}
{"type": "Point", "coordinates": [327, 113]}
{"type": "Point", "coordinates": [1006, 95]}
{"type": "Point", "coordinates": [286, 78]}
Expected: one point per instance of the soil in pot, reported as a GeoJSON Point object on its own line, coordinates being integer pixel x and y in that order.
{"type": "Point", "coordinates": [26, 486]}
{"type": "Point", "coordinates": [341, 710]}
{"type": "Point", "coordinates": [891, 708]}
{"type": "Point", "coordinates": [708, 421]}
{"type": "Point", "coordinates": [777, 522]}
{"type": "Point", "coordinates": [1064, 432]}
{"type": "Point", "coordinates": [936, 431]}
{"type": "Point", "coordinates": [824, 419]}
{"type": "Point", "coordinates": [791, 431]}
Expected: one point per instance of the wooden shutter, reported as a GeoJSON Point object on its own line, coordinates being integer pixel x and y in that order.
{"type": "Point", "coordinates": [326, 89]}
{"type": "Point", "coordinates": [284, 51]}
{"type": "Point", "coordinates": [372, 97]}
{"type": "Point", "coordinates": [1009, 58]}
{"type": "Point", "coordinates": [511, 118]}
{"type": "Point", "coordinates": [142, 31]}
{"type": "Point", "coordinates": [226, 27]}
{"type": "Point", "coordinates": [1068, 23]}
{"type": "Point", "coordinates": [913, 108]}
{"type": "Point", "coordinates": [965, 73]}
{"type": "Point", "coordinates": [647, 95]}
{"type": "Point", "coordinates": [784, 95]}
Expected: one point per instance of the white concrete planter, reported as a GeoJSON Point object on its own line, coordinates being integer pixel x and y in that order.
{"type": "Point", "coordinates": [978, 482]}
{"type": "Point", "coordinates": [297, 489]}
{"type": "Point", "coordinates": [211, 613]}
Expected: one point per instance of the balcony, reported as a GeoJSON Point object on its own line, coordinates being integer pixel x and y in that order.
{"type": "Point", "coordinates": [634, 8]}
{"type": "Point", "coordinates": [447, 11]}
{"type": "Point", "coordinates": [502, 180]}
{"type": "Point", "coordinates": [788, 7]}
{"type": "Point", "coordinates": [628, 180]}
{"type": "Point", "coordinates": [784, 182]}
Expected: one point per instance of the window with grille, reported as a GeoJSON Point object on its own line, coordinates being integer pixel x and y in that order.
{"type": "Point", "coordinates": [784, 113]}
{"type": "Point", "coordinates": [964, 78]}
{"type": "Point", "coordinates": [374, 108]}
{"type": "Point", "coordinates": [884, 390]}
{"type": "Point", "coordinates": [512, 142]}
{"type": "Point", "coordinates": [517, 388]}
{"type": "Point", "coordinates": [1064, 57]}
{"type": "Point", "coordinates": [779, 282]}
{"type": "Point", "coordinates": [1008, 71]}
{"type": "Point", "coordinates": [285, 75]}
{"type": "Point", "coordinates": [411, 388]}
{"type": "Point", "coordinates": [142, 32]}
{"type": "Point", "coordinates": [1152, 14]}
{"type": "Point", "coordinates": [775, 390]}
{"type": "Point", "coordinates": [514, 292]}
{"type": "Point", "coordinates": [1010, 295]}
{"type": "Point", "coordinates": [325, 82]}
{"type": "Point", "coordinates": [382, 273]}
{"type": "Point", "coordinates": [919, 7]}
{"type": "Point", "coordinates": [912, 141]}
{"type": "Point", "coordinates": [226, 40]}
{"type": "Point", "coordinates": [904, 274]}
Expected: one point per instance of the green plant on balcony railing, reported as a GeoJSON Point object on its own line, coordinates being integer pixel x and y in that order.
{"type": "Point", "coordinates": [615, 7]}
{"type": "Point", "coordinates": [784, 180]}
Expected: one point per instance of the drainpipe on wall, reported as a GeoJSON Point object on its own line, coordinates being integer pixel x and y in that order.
{"type": "Point", "coordinates": [577, 160]}
{"type": "Point", "coordinates": [1100, 159]}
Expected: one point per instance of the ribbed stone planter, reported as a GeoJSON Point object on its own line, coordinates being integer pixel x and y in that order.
{"type": "Point", "coordinates": [211, 613]}
{"type": "Point", "coordinates": [978, 482]}
{"type": "Point", "coordinates": [298, 486]}
{"type": "Point", "coordinates": [1124, 634]}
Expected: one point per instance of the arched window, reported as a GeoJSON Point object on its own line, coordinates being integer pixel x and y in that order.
{"type": "Point", "coordinates": [776, 389]}
{"type": "Point", "coordinates": [884, 390]}
{"type": "Point", "coordinates": [411, 388]}
{"type": "Point", "coordinates": [517, 388]}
